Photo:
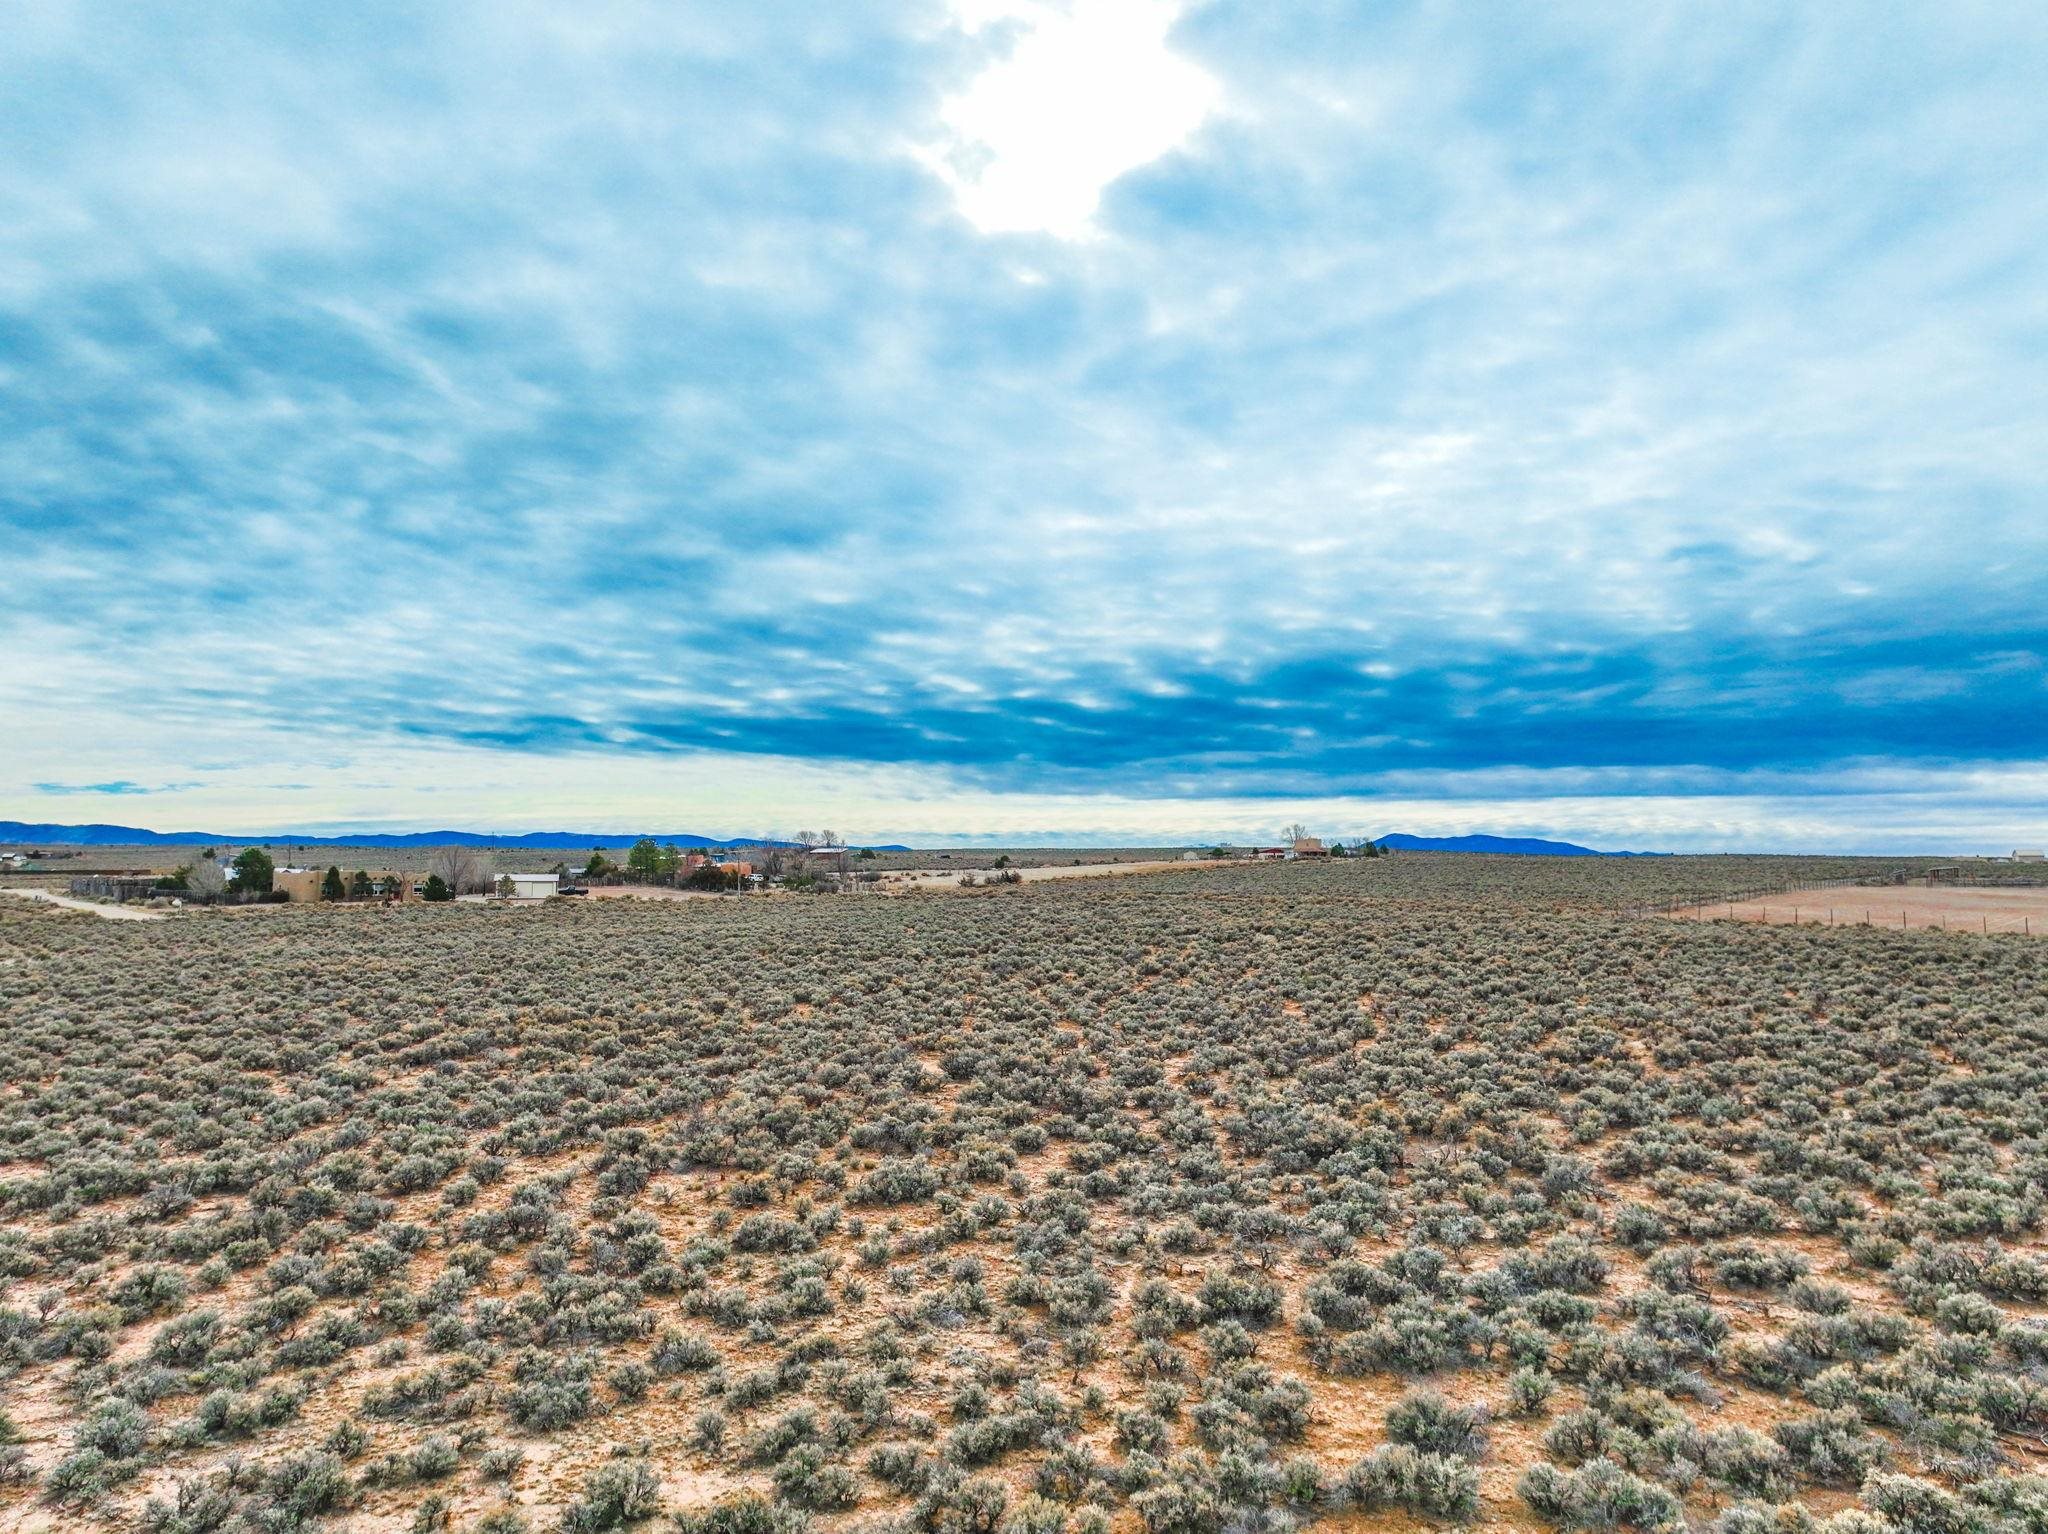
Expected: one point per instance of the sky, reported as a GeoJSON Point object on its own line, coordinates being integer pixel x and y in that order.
{"type": "Point", "coordinates": [1116, 421]}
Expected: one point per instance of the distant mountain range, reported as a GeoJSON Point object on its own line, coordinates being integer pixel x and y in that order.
{"type": "Point", "coordinates": [1525, 846]}
{"type": "Point", "coordinates": [19, 832]}
{"type": "Point", "coordinates": [22, 832]}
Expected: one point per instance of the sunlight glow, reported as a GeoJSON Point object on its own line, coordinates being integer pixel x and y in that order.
{"type": "Point", "coordinates": [1085, 94]}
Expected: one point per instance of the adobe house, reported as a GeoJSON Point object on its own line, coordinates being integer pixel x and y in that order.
{"type": "Point", "coordinates": [302, 885]}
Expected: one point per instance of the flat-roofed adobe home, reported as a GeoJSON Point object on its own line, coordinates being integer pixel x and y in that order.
{"type": "Point", "coordinates": [1310, 847]}
{"type": "Point", "coordinates": [302, 885]}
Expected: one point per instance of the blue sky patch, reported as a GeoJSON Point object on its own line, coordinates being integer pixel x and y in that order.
{"type": "Point", "coordinates": [1124, 405]}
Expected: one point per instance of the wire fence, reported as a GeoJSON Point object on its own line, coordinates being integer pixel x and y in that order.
{"type": "Point", "coordinates": [1852, 903]}
{"type": "Point", "coordinates": [1691, 902]}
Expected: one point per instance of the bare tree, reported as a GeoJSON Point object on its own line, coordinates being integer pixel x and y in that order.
{"type": "Point", "coordinates": [206, 879]}
{"type": "Point", "coordinates": [465, 870]}
{"type": "Point", "coordinates": [1294, 833]}
{"type": "Point", "coordinates": [829, 839]}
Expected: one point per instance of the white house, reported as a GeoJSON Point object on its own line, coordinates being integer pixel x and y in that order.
{"type": "Point", "coordinates": [533, 886]}
{"type": "Point", "coordinates": [2028, 855]}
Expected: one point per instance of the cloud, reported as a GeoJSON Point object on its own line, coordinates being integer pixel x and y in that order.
{"type": "Point", "coordinates": [420, 784]}
{"type": "Point", "coordinates": [1082, 94]}
{"type": "Point", "coordinates": [1405, 406]}
{"type": "Point", "coordinates": [118, 786]}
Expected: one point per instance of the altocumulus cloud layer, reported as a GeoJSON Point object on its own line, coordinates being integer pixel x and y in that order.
{"type": "Point", "coordinates": [1098, 419]}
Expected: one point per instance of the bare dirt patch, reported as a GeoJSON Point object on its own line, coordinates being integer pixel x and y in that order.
{"type": "Point", "coordinates": [1949, 907]}
{"type": "Point", "coordinates": [940, 878]}
{"type": "Point", "coordinates": [647, 892]}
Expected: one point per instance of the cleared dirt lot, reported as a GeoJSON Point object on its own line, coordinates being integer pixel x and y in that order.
{"type": "Point", "coordinates": [1942, 906]}
{"type": "Point", "coordinates": [943, 878]}
{"type": "Point", "coordinates": [647, 892]}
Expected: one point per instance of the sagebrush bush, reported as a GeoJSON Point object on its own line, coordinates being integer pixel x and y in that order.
{"type": "Point", "coordinates": [1026, 1207]}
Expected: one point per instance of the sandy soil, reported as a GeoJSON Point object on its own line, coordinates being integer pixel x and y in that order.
{"type": "Point", "coordinates": [646, 892]}
{"type": "Point", "coordinates": [73, 903]}
{"type": "Point", "coordinates": [1942, 906]}
{"type": "Point", "coordinates": [941, 878]}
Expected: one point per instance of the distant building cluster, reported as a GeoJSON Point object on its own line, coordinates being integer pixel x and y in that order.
{"type": "Point", "coordinates": [465, 874]}
{"type": "Point", "coordinates": [1300, 847]}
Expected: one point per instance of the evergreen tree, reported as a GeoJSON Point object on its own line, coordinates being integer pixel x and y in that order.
{"type": "Point", "coordinates": [254, 872]}
{"type": "Point", "coordinates": [437, 889]}
{"type": "Point", "coordinates": [644, 861]}
{"type": "Point", "coordinates": [331, 887]}
{"type": "Point", "coordinates": [360, 887]}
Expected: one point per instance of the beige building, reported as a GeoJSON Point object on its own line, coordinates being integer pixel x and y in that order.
{"type": "Point", "coordinates": [303, 884]}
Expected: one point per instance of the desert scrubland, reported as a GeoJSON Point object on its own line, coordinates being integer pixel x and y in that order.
{"type": "Point", "coordinates": [1379, 1195]}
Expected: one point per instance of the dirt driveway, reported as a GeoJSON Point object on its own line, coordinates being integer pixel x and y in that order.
{"type": "Point", "coordinates": [73, 903]}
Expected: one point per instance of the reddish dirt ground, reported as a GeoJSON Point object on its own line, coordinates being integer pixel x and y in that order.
{"type": "Point", "coordinates": [1942, 906]}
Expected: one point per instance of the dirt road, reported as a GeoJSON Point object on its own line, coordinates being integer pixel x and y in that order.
{"type": "Point", "coordinates": [73, 903]}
